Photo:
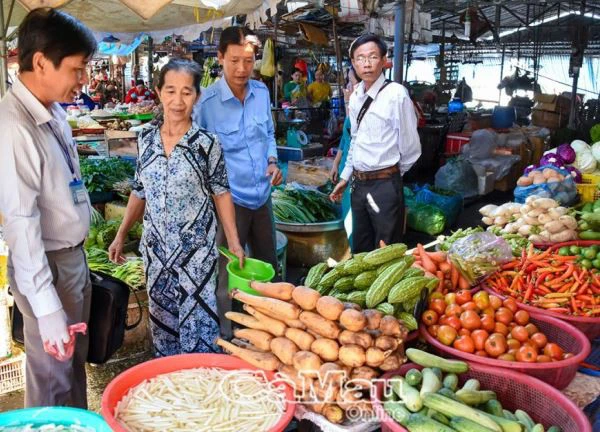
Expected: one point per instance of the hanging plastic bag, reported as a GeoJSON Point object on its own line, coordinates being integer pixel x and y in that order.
{"type": "Point", "coordinates": [267, 68]}
{"type": "Point", "coordinates": [479, 255]}
{"type": "Point", "coordinates": [449, 203]}
{"type": "Point", "coordinates": [563, 189]}
{"type": "Point", "coordinates": [457, 175]}
{"type": "Point", "coordinates": [425, 218]}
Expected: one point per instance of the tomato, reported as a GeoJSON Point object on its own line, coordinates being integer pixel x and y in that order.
{"type": "Point", "coordinates": [539, 339]}
{"type": "Point", "coordinates": [527, 354]}
{"type": "Point", "coordinates": [513, 344]}
{"type": "Point", "coordinates": [443, 320]}
{"type": "Point", "coordinates": [543, 358]}
{"type": "Point", "coordinates": [432, 330]}
{"type": "Point", "coordinates": [568, 355]}
{"type": "Point", "coordinates": [488, 322]}
{"type": "Point", "coordinates": [463, 296]}
{"type": "Point", "coordinates": [495, 302]}
{"type": "Point", "coordinates": [495, 345]}
{"type": "Point", "coordinates": [464, 344]}
{"type": "Point", "coordinates": [504, 315]}
{"type": "Point", "coordinates": [507, 357]}
{"type": "Point", "coordinates": [470, 320]}
{"type": "Point", "coordinates": [488, 311]}
{"type": "Point", "coordinates": [531, 328]}
{"type": "Point", "coordinates": [470, 306]}
{"type": "Point", "coordinates": [513, 351]}
{"type": "Point", "coordinates": [479, 337]}
{"type": "Point", "coordinates": [482, 300]}
{"type": "Point", "coordinates": [511, 304]}
{"type": "Point", "coordinates": [481, 353]}
{"type": "Point", "coordinates": [464, 332]}
{"type": "Point", "coordinates": [453, 309]}
{"type": "Point", "coordinates": [553, 351]}
{"type": "Point", "coordinates": [531, 344]}
{"type": "Point", "coordinates": [429, 317]}
{"type": "Point", "coordinates": [450, 298]}
{"type": "Point", "coordinates": [521, 317]}
{"type": "Point", "coordinates": [519, 333]}
{"type": "Point", "coordinates": [435, 295]}
{"type": "Point", "coordinates": [501, 328]}
{"type": "Point", "coordinates": [454, 321]}
{"type": "Point", "coordinates": [446, 334]}
{"type": "Point", "coordinates": [438, 306]}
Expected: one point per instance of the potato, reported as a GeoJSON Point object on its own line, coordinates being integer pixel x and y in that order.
{"type": "Point", "coordinates": [386, 343]}
{"type": "Point", "coordinates": [348, 397]}
{"type": "Point", "coordinates": [524, 181]}
{"type": "Point", "coordinates": [320, 325]}
{"type": "Point", "coordinates": [391, 363]}
{"type": "Point", "coordinates": [333, 413]}
{"type": "Point", "coordinates": [284, 349]}
{"type": "Point", "coordinates": [390, 326]}
{"type": "Point", "coordinates": [352, 355]}
{"type": "Point", "coordinates": [353, 320]}
{"type": "Point", "coordinates": [306, 297]}
{"type": "Point", "coordinates": [298, 383]}
{"type": "Point", "coordinates": [332, 373]}
{"type": "Point", "coordinates": [300, 338]}
{"type": "Point", "coordinates": [325, 348]}
{"type": "Point", "coordinates": [349, 305]}
{"type": "Point", "coordinates": [326, 392]}
{"type": "Point", "coordinates": [330, 307]}
{"type": "Point", "coordinates": [376, 356]}
{"type": "Point", "coordinates": [364, 373]}
{"type": "Point", "coordinates": [307, 363]}
{"type": "Point", "coordinates": [362, 339]}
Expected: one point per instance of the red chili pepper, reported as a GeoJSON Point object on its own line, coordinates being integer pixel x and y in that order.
{"type": "Point", "coordinates": [529, 291]}
{"type": "Point", "coordinates": [583, 288]}
{"type": "Point", "coordinates": [559, 310]}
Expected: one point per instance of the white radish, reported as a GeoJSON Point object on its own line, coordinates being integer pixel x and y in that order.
{"type": "Point", "coordinates": [555, 227]}
{"type": "Point", "coordinates": [568, 221]}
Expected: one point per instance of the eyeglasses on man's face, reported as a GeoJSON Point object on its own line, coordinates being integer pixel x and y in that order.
{"type": "Point", "coordinates": [370, 59]}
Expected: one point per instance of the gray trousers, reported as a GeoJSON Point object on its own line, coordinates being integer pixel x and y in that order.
{"type": "Point", "coordinates": [50, 382]}
{"type": "Point", "coordinates": [257, 230]}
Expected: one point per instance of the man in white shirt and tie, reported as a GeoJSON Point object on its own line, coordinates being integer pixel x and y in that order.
{"type": "Point", "coordinates": [45, 205]}
{"type": "Point", "coordinates": [384, 145]}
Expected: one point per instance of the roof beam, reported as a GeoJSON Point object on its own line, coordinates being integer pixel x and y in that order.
{"type": "Point", "coordinates": [514, 14]}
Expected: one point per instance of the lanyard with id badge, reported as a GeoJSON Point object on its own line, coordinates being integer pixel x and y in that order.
{"type": "Point", "coordinates": [76, 186]}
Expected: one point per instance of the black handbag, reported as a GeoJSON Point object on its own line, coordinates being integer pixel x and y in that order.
{"type": "Point", "coordinates": [108, 317]}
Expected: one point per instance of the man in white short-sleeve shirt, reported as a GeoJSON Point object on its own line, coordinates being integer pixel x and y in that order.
{"type": "Point", "coordinates": [45, 206]}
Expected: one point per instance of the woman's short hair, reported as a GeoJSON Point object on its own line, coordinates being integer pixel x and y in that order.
{"type": "Point", "coordinates": [181, 65]}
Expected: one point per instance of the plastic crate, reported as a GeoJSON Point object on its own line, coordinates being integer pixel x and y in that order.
{"type": "Point", "coordinates": [455, 141]}
{"type": "Point", "coordinates": [590, 178]}
{"type": "Point", "coordinates": [12, 372]}
{"type": "Point", "coordinates": [588, 192]}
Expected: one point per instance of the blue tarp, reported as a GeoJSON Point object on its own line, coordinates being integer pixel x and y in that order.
{"type": "Point", "coordinates": [120, 49]}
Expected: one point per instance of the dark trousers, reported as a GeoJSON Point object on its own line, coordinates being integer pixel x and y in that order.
{"type": "Point", "coordinates": [257, 230]}
{"type": "Point", "coordinates": [377, 212]}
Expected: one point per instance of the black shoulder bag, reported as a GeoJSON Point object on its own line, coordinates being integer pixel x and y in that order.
{"type": "Point", "coordinates": [367, 103]}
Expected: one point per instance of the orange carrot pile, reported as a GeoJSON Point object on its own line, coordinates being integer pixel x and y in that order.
{"type": "Point", "coordinates": [437, 264]}
{"type": "Point", "coordinates": [550, 281]}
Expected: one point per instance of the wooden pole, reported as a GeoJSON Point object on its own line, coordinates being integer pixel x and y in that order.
{"type": "Point", "coordinates": [338, 57]}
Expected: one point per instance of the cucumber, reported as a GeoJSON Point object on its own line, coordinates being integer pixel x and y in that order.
{"type": "Point", "coordinates": [413, 377]}
{"type": "Point", "coordinates": [330, 278]}
{"type": "Point", "coordinates": [385, 254]}
{"type": "Point", "coordinates": [462, 424]}
{"type": "Point", "coordinates": [344, 284]}
{"type": "Point", "coordinates": [397, 411]}
{"type": "Point", "coordinates": [506, 424]}
{"type": "Point", "coordinates": [448, 393]}
{"type": "Point", "coordinates": [554, 429]}
{"type": "Point", "coordinates": [438, 372]}
{"type": "Point", "coordinates": [408, 394]}
{"type": "Point", "coordinates": [538, 428]}
{"type": "Point", "coordinates": [524, 419]}
{"type": "Point", "coordinates": [421, 423]}
{"type": "Point", "coordinates": [385, 308]}
{"type": "Point", "coordinates": [472, 384]}
{"type": "Point", "coordinates": [425, 359]}
{"type": "Point", "coordinates": [494, 407]}
{"type": "Point", "coordinates": [452, 408]}
{"type": "Point", "coordinates": [410, 322]}
{"type": "Point", "coordinates": [380, 288]}
{"type": "Point", "coordinates": [431, 382]}
{"type": "Point", "coordinates": [315, 274]}
{"type": "Point", "coordinates": [365, 279]}
{"type": "Point", "coordinates": [475, 397]}
{"type": "Point", "coordinates": [508, 415]}
{"type": "Point", "coordinates": [438, 417]}
{"type": "Point", "coordinates": [451, 381]}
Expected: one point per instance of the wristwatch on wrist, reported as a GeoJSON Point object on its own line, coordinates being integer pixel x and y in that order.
{"type": "Point", "coordinates": [272, 161]}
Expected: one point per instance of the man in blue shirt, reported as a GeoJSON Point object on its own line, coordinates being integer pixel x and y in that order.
{"type": "Point", "coordinates": [238, 110]}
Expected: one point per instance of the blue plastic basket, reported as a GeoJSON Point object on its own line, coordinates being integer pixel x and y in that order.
{"type": "Point", "coordinates": [591, 365]}
{"type": "Point", "coordinates": [62, 416]}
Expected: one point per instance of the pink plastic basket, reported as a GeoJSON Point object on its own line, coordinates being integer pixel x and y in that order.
{"type": "Point", "coordinates": [543, 403]}
{"type": "Point", "coordinates": [558, 374]}
{"type": "Point", "coordinates": [590, 327]}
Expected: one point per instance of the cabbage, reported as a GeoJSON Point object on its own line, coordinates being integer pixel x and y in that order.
{"type": "Point", "coordinates": [551, 159]}
{"type": "Point", "coordinates": [574, 173]}
{"type": "Point", "coordinates": [596, 151]}
{"type": "Point", "coordinates": [580, 146]}
{"type": "Point", "coordinates": [566, 153]}
{"type": "Point", "coordinates": [585, 162]}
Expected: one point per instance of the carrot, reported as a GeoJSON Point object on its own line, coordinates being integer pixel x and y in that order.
{"type": "Point", "coordinates": [277, 290]}
{"type": "Point", "coordinates": [274, 326]}
{"type": "Point", "coordinates": [454, 275]}
{"type": "Point", "coordinates": [445, 267]}
{"type": "Point", "coordinates": [438, 257]}
{"type": "Point", "coordinates": [440, 275]}
{"type": "Point", "coordinates": [268, 304]}
{"type": "Point", "coordinates": [266, 361]}
{"type": "Point", "coordinates": [428, 264]}
{"type": "Point", "coordinates": [419, 266]}
{"type": "Point", "coordinates": [463, 283]}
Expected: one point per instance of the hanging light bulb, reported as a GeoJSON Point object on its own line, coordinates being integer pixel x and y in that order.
{"type": "Point", "coordinates": [467, 24]}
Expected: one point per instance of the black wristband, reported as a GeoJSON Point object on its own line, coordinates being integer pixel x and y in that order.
{"type": "Point", "coordinates": [272, 162]}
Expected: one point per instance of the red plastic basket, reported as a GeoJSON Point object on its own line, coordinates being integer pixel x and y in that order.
{"type": "Point", "coordinates": [558, 374]}
{"type": "Point", "coordinates": [543, 403]}
{"type": "Point", "coordinates": [121, 384]}
{"type": "Point", "coordinates": [554, 246]}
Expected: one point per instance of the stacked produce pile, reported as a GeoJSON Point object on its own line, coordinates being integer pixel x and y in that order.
{"type": "Point", "coordinates": [428, 399]}
{"type": "Point", "coordinates": [293, 204]}
{"type": "Point", "coordinates": [487, 326]}
{"type": "Point", "coordinates": [553, 281]}
{"type": "Point", "coordinates": [589, 221]}
{"type": "Point", "coordinates": [100, 175]}
{"type": "Point", "coordinates": [540, 220]}
{"type": "Point", "coordinates": [516, 241]}
{"type": "Point", "coordinates": [318, 343]}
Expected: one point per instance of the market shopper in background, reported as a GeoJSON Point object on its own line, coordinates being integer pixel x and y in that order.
{"type": "Point", "coordinates": [180, 172]}
{"type": "Point", "coordinates": [295, 89]}
{"type": "Point", "coordinates": [238, 110]}
{"type": "Point", "coordinates": [45, 205]}
{"type": "Point", "coordinates": [319, 91]}
{"type": "Point", "coordinates": [139, 93]}
{"type": "Point", "coordinates": [385, 144]}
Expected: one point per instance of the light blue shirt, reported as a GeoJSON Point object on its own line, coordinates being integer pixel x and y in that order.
{"type": "Point", "coordinates": [247, 137]}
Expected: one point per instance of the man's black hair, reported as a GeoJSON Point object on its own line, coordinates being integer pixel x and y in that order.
{"type": "Point", "coordinates": [55, 34]}
{"type": "Point", "coordinates": [366, 38]}
{"type": "Point", "coordinates": [238, 35]}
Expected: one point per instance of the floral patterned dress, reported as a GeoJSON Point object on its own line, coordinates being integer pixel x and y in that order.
{"type": "Point", "coordinates": [178, 245]}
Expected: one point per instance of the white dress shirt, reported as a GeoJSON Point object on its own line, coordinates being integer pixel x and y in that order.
{"type": "Point", "coordinates": [35, 199]}
{"type": "Point", "coordinates": [387, 134]}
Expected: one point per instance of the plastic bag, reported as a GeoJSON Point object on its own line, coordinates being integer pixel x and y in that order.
{"type": "Point", "coordinates": [267, 67]}
{"type": "Point", "coordinates": [349, 425]}
{"type": "Point", "coordinates": [425, 218]}
{"type": "Point", "coordinates": [449, 203]}
{"type": "Point", "coordinates": [482, 144]}
{"type": "Point", "coordinates": [479, 255]}
{"type": "Point", "coordinates": [565, 192]}
{"type": "Point", "coordinates": [457, 175]}
{"type": "Point", "coordinates": [69, 346]}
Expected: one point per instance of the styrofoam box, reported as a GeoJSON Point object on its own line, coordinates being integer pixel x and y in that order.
{"type": "Point", "coordinates": [485, 183]}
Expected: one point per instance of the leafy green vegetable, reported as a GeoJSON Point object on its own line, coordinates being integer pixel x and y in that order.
{"type": "Point", "coordinates": [595, 133]}
{"type": "Point", "coordinates": [100, 175]}
{"type": "Point", "coordinates": [298, 205]}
